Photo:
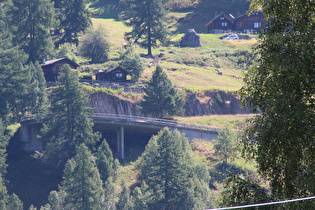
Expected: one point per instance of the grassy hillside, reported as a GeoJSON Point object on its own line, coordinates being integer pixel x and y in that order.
{"type": "Point", "coordinates": [189, 68]}
{"type": "Point", "coordinates": [186, 14]}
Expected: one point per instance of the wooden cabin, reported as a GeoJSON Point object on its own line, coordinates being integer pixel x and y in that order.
{"type": "Point", "coordinates": [51, 68]}
{"type": "Point", "coordinates": [117, 74]}
{"type": "Point", "coordinates": [249, 24]}
{"type": "Point", "coordinates": [220, 24]}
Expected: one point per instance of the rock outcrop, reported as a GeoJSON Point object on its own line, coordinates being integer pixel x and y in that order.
{"type": "Point", "coordinates": [108, 104]}
{"type": "Point", "coordinates": [211, 102]}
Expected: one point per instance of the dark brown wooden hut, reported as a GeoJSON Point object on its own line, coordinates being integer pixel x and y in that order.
{"type": "Point", "coordinates": [117, 74]}
{"type": "Point", "coordinates": [51, 68]}
{"type": "Point", "coordinates": [249, 24]}
{"type": "Point", "coordinates": [220, 24]}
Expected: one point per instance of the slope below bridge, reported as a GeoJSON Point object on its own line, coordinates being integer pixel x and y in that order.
{"type": "Point", "coordinates": [121, 131]}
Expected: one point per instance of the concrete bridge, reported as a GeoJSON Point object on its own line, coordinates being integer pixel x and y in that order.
{"type": "Point", "coordinates": [120, 130]}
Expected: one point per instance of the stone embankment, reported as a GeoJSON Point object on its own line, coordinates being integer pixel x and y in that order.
{"type": "Point", "coordinates": [210, 103]}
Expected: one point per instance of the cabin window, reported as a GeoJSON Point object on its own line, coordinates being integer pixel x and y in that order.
{"type": "Point", "coordinates": [221, 18]}
{"type": "Point", "coordinates": [119, 75]}
{"type": "Point", "coordinates": [257, 25]}
{"type": "Point", "coordinates": [224, 23]}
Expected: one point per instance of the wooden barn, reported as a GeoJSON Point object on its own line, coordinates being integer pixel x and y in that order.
{"type": "Point", "coordinates": [220, 24]}
{"type": "Point", "coordinates": [249, 24]}
{"type": "Point", "coordinates": [117, 74]}
{"type": "Point", "coordinates": [51, 68]}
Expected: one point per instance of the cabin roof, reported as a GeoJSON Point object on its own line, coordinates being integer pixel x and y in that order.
{"type": "Point", "coordinates": [114, 69]}
{"type": "Point", "coordinates": [67, 60]}
{"type": "Point", "coordinates": [229, 17]}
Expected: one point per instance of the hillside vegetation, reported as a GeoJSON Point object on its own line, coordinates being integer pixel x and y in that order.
{"type": "Point", "coordinates": [190, 68]}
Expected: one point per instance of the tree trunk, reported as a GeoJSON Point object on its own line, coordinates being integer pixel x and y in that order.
{"type": "Point", "coordinates": [149, 38]}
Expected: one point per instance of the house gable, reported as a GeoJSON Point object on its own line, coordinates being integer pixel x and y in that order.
{"type": "Point", "coordinates": [220, 24]}
{"type": "Point", "coordinates": [252, 23]}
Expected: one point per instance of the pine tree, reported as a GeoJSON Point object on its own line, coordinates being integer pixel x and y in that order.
{"type": "Point", "coordinates": [14, 203]}
{"type": "Point", "coordinates": [167, 166]}
{"type": "Point", "coordinates": [161, 97]}
{"type": "Point", "coordinates": [104, 161]}
{"type": "Point", "coordinates": [124, 202]}
{"type": "Point", "coordinates": [37, 89]}
{"type": "Point", "coordinates": [14, 78]}
{"type": "Point", "coordinates": [74, 18]}
{"type": "Point", "coordinates": [30, 22]}
{"type": "Point", "coordinates": [3, 194]}
{"type": "Point", "coordinates": [82, 181]}
{"type": "Point", "coordinates": [56, 201]}
{"type": "Point", "coordinates": [22, 88]}
{"type": "Point", "coordinates": [4, 140]}
{"type": "Point", "coordinates": [147, 21]}
{"type": "Point", "coordinates": [68, 124]}
{"type": "Point", "coordinates": [110, 195]}
{"type": "Point", "coordinates": [224, 144]}
{"type": "Point", "coordinates": [139, 201]}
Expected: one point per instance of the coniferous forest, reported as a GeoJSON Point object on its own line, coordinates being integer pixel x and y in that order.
{"type": "Point", "coordinates": [269, 157]}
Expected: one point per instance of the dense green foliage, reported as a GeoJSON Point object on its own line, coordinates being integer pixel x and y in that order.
{"type": "Point", "coordinates": [22, 87]}
{"type": "Point", "coordinates": [131, 61]}
{"type": "Point", "coordinates": [95, 46]}
{"type": "Point", "coordinates": [147, 19]}
{"type": "Point", "coordinates": [161, 97]}
{"type": "Point", "coordinates": [239, 191]}
{"type": "Point", "coordinates": [30, 22]}
{"type": "Point", "coordinates": [82, 182]}
{"type": "Point", "coordinates": [124, 198]}
{"type": "Point", "coordinates": [282, 85]}
{"type": "Point", "coordinates": [225, 143]}
{"type": "Point", "coordinates": [174, 178]}
{"type": "Point", "coordinates": [68, 124]}
{"type": "Point", "coordinates": [74, 17]}
{"type": "Point", "coordinates": [104, 161]}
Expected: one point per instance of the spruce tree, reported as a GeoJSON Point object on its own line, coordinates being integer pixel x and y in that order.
{"type": "Point", "coordinates": [22, 87]}
{"type": "Point", "coordinates": [161, 97]}
{"type": "Point", "coordinates": [167, 166]}
{"type": "Point", "coordinates": [225, 143]}
{"type": "Point", "coordinates": [124, 202]}
{"type": "Point", "coordinates": [104, 161]}
{"type": "Point", "coordinates": [3, 194]}
{"type": "Point", "coordinates": [4, 140]}
{"type": "Point", "coordinates": [14, 203]}
{"type": "Point", "coordinates": [74, 17]}
{"type": "Point", "coordinates": [68, 124]}
{"type": "Point", "coordinates": [147, 19]}
{"type": "Point", "coordinates": [139, 201]}
{"type": "Point", "coordinates": [110, 195]}
{"type": "Point", "coordinates": [14, 79]}
{"type": "Point", "coordinates": [37, 89]}
{"type": "Point", "coordinates": [30, 22]}
{"type": "Point", "coordinates": [82, 182]}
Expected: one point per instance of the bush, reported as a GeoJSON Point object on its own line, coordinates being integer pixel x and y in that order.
{"type": "Point", "coordinates": [95, 46]}
{"type": "Point", "coordinates": [132, 62]}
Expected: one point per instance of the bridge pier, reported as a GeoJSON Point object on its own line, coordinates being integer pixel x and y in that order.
{"type": "Point", "coordinates": [120, 138]}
